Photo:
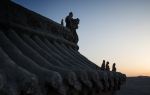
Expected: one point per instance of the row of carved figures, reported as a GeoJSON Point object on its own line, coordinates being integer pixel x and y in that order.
{"type": "Point", "coordinates": [105, 66]}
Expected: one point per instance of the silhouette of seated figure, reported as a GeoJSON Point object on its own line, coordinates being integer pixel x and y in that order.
{"type": "Point", "coordinates": [107, 66]}
{"type": "Point", "coordinates": [62, 22]}
{"type": "Point", "coordinates": [69, 20]}
{"type": "Point", "coordinates": [114, 67]}
{"type": "Point", "coordinates": [103, 65]}
{"type": "Point", "coordinates": [72, 24]}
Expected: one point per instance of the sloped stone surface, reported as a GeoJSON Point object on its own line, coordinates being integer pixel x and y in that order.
{"type": "Point", "coordinates": [37, 57]}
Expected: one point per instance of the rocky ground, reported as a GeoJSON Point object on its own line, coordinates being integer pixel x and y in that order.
{"type": "Point", "coordinates": [136, 86]}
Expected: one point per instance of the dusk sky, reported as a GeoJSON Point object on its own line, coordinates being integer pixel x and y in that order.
{"type": "Point", "coordinates": [115, 30]}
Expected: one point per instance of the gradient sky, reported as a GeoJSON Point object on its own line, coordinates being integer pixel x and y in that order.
{"type": "Point", "coordinates": [114, 30]}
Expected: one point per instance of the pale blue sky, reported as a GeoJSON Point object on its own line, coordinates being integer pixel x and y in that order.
{"type": "Point", "coordinates": [115, 30]}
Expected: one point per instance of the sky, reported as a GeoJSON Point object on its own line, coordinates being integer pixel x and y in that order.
{"type": "Point", "coordinates": [115, 30]}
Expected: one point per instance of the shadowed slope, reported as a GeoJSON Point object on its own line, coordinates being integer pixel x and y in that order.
{"type": "Point", "coordinates": [38, 57]}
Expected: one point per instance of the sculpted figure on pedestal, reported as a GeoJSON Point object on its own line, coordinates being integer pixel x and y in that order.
{"type": "Point", "coordinates": [107, 66]}
{"type": "Point", "coordinates": [114, 67]}
{"type": "Point", "coordinates": [72, 24]}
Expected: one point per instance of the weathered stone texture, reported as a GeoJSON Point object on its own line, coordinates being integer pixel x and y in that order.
{"type": "Point", "coordinates": [38, 57]}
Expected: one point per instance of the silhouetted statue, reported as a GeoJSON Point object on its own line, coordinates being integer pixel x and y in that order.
{"type": "Point", "coordinates": [114, 67]}
{"type": "Point", "coordinates": [62, 22]}
{"type": "Point", "coordinates": [69, 20]}
{"type": "Point", "coordinates": [72, 24]}
{"type": "Point", "coordinates": [103, 65]}
{"type": "Point", "coordinates": [107, 66]}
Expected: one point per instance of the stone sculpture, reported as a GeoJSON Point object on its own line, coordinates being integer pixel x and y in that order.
{"type": "Point", "coordinates": [107, 66]}
{"type": "Point", "coordinates": [72, 24]}
{"type": "Point", "coordinates": [103, 65]}
{"type": "Point", "coordinates": [114, 67]}
{"type": "Point", "coordinates": [62, 22]}
{"type": "Point", "coordinates": [69, 20]}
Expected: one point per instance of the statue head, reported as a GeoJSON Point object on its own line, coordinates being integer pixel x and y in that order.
{"type": "Point", "coordinates": [70, 14]}
{"type": "Point", "coordinates": [107, 63]}
{"type": "Point", "coordinates": [103, 61]}
{"type": "Point", "coordinates": [114, 64]}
